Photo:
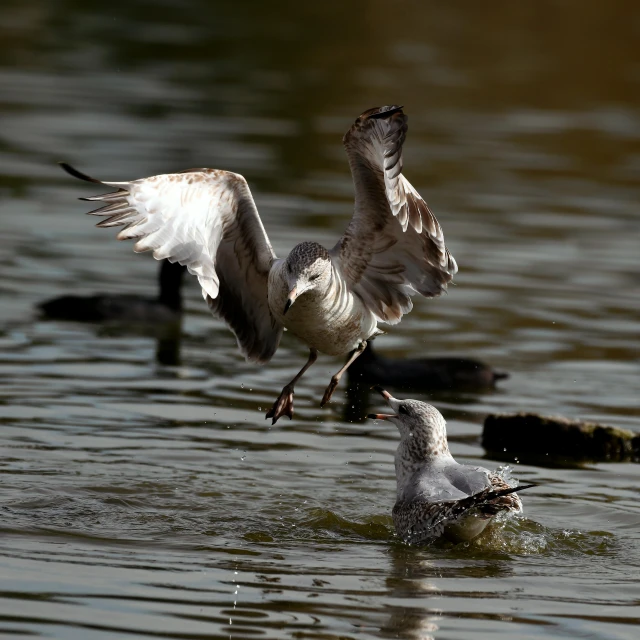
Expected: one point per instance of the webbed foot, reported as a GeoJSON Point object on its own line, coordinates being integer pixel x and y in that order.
{"type": "Point", "coordinates": [283, 406]}
{"type": "Point", "coordinates": [329, 391]}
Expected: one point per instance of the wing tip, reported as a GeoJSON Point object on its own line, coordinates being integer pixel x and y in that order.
{"type": "Point", "coordinates": [72, 171]}
{"type": "Point", "coordinates": [500, 493]}
{"type": "Point", "coordinates": [382, 113]}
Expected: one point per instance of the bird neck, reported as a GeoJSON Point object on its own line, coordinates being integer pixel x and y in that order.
{"type": "Point", "coordinates": [410, 459]}
{"type": "Point", "coordinates": [171, 284]}
{"type": "Point", "coordinates": [419, 448]}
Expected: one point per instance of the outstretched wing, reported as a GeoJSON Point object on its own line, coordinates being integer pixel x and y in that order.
{"type": "Point", "coordinates": [393, 246]}
{"type": "Point", "coordinates": [206, 220]}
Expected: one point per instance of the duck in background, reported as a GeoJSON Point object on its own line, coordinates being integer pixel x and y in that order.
{"type": "Point", "coordinates": [422, 374]}
{"type": "Point", "coordinates": [167, 307]}
{"type": "Point", "coordinates": [162, 314]}
{"type": "Point", "coordinates": [413, 374]}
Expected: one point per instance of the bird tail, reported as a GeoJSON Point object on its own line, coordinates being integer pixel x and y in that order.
{"type": "Point", "coordinates": [489, 502]}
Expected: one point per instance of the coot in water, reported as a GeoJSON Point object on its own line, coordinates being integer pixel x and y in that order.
{"type": "Point", "coordinates": [167, 307]}
{"type": "Point", "coordinates": [422, 373]}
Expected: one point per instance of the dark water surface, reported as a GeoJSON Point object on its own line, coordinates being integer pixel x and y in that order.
{"type": "Point", "coordinates": [142, 499]}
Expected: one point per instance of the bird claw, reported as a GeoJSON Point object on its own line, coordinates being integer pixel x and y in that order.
{"type": "Point", "coordinates": [329, 392]}
{"type": "Point", "coordinates": [283, 406]}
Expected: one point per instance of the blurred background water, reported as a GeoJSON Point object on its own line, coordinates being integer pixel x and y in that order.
{"type": "Point", "coordinates": [148, 499]}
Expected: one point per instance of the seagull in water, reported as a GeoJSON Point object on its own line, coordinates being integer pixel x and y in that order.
{"type": "Point", "coordinates": [332, 300]}
{"type": "Point", "coordinates": [436, 496]}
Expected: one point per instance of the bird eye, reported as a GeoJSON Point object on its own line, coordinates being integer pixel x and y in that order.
{"type": "Point", "coordinates": [315, 277]}
{"type": "Point", "coordinates": [403, 410]}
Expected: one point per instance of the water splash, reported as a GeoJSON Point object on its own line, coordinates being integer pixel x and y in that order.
{"type": "Point", "coordinates": [515, 534]}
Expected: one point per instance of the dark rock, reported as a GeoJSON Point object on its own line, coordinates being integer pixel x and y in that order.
{"type": "Point", "coordinates": [530, 436]}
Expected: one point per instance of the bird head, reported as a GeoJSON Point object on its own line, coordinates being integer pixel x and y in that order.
{"type": "Point", "coordinates": [417, 422]}
{"type": "Point", "coordinates": [307, 267]}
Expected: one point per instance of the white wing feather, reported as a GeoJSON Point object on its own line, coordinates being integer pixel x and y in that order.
{"type": "Point", "coordinates": [206, 220]}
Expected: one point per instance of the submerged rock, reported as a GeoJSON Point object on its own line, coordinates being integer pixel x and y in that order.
{"type": "Point", "coordinates": [532, 436]}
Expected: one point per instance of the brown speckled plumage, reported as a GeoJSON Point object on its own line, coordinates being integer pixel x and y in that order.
{"type": "Point", "coordinates": [436, 496]}
{"type": "Point", "coordinates": [422, 522]}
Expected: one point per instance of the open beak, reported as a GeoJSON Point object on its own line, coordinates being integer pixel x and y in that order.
{"type": "Point", "coordinates": [293, 294]}
{"type": "Point", "coordinates": [387, 396]}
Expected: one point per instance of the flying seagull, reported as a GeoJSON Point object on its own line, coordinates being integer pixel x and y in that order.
{"type": "Point", "coordinates": [332, 300]}
{"type": "Point", "coordinates": [436, 496]}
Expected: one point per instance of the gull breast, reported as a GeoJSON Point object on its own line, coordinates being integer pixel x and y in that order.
{"type": "Point", "coordinates": [333, 321]}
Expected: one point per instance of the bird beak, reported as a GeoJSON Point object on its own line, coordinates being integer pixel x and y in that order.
{"type": "Point", "coordinates": [385, 394]}
{"type": "Point", "coordinates": [390, 399]}
{"type": "Point", "coordinates": [293, 294]}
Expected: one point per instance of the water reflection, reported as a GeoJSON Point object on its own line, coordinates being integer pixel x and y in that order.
{"type": "Point", "coordinates": [420, 577]}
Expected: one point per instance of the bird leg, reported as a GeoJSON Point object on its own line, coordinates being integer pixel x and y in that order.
{"type": "Point", "coordinates": [336, 377]}
{"type": "Point", "coordinates": [283, 406]}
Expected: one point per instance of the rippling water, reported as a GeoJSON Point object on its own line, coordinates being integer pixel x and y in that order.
{"type": "Point", "coordinates": [149, 499]}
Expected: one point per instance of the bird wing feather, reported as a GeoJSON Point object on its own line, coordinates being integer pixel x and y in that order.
{"type": "Point", "coordinates": [394, 246]}
{"type": "Point", "coordinates": [206, 220]}
{"type": "Point", "coordinates": [421, 522]}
